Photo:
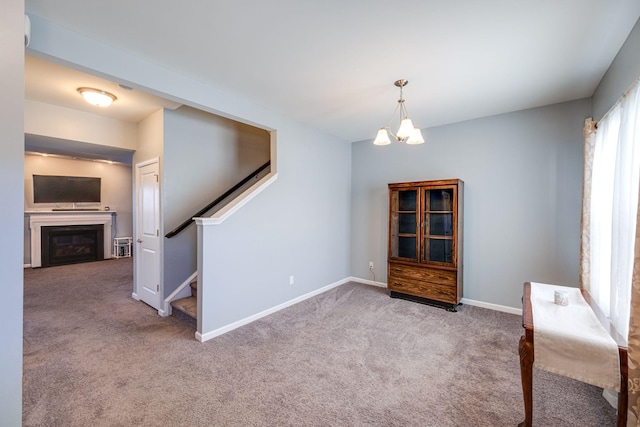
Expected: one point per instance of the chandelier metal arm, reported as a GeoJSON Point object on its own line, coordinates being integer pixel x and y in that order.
{"type": "Point", "coordinates": [394, 114]}
{"type": "Point", "coordinates": [410, 134]}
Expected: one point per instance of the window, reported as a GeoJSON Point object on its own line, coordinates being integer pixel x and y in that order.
{"type": "Point", "coordinates": [614, 205]}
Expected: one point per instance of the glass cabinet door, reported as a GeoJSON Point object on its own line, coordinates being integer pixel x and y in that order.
{"type": "Point", "coordinates": [438, 225]}
{"type": "Point", "coordinates": [403, 239]}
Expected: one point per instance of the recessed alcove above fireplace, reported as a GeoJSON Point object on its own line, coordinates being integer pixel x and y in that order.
{"type": "Point", "coordinates": [69, 224]}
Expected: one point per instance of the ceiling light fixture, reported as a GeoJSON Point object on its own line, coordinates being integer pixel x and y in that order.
{"type": "Point", "coordinates": [97, 97]}
{"type": "Point", "coordinates": [406, 133]}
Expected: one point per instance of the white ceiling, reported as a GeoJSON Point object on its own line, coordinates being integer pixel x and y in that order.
{"type": "Point", "coordinates": [332, 63]}
{"type": "Point", "coordinates": [58, 85]}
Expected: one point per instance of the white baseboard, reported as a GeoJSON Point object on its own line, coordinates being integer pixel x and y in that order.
{"type": "Point", "coordinates": [496, 307]}
{"type": "Point", "coordinates": [162, 313]}
{"type": "Point", "coordinates": [217, 332]}
{"type": "Point", "coordinates": [466, 301]}
{"type": "Point", "coordinates": [367, 282]}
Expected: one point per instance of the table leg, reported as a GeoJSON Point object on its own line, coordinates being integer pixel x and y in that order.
{"type": "Point", "coordinates": [526, 372]}
{"type": "Point", "coordinates": [623, 398]}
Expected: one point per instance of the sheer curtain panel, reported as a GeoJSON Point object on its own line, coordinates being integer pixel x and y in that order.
{"type": "Point", "coordinates": [610, 240]}
{"type": "Point", "coordinates": [614, 204]}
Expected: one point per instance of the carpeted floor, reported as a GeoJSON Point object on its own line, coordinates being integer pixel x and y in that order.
{"type": "Point", "coordinates": [349, 357]}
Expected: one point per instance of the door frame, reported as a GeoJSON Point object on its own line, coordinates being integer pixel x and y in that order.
{"type": "Point", "coordinates": [162, 311]}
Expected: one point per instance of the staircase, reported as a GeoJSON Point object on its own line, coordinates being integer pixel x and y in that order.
{"type": "Point", "coordinates": [187, 308]}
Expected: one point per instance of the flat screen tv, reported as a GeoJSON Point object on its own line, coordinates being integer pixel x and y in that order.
{"type": "Point", "coordinates": [65, 189]}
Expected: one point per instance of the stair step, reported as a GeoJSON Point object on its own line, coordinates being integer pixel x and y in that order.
{"type": "Point", "coordinates": [194, 287]}
{"type": "Point", "coordinates": [188, 306]}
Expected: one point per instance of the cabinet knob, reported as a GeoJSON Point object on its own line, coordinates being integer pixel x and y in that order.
{"type": "Point", "coordinates": [139, 240]}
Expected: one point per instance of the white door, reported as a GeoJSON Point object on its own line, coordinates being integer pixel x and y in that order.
{"type": "Point", "coordinates": [148, 234]}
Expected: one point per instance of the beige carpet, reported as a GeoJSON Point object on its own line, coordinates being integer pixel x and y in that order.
{"type": "Point", "coordinates": [349, 357]}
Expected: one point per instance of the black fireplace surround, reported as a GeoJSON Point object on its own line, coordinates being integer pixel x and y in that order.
{"type": "Point", "coordinates": [72, 244]}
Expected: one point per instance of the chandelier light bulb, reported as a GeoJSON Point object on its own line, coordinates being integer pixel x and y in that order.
{"type": "Point", "coordinates": [406, 129]}
{"type": "Point", "coordinates": [416, 137]}
{"type": "Point", "coordinates": [382, 138]}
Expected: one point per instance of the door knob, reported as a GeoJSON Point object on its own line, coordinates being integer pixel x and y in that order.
{"type": "Point", "coordinates": [139, 240]}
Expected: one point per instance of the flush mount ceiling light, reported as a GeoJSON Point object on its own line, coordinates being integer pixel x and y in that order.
{"type": "Point", "coordinates": [406, 133]}
{"type": "Point", "coordinates": [97, 97]}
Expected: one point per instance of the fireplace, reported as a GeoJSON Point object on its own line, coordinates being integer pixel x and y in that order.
{"type": "Point", "coordinates": [40, 219]}
{"type": "Point", "coordinates": [72, 244]}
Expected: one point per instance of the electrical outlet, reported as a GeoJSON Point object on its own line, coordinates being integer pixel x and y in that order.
{"type": "Point", "coordinates": [370, 265]}
{"type": "Point", "coordinates": [291, 280]}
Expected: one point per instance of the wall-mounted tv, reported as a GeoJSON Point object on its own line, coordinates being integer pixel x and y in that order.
{"type": "Point", "coordinates": [65, 189]}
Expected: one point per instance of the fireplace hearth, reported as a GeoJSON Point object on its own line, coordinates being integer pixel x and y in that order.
{"type": "Point", "coordinates": [72, 244]}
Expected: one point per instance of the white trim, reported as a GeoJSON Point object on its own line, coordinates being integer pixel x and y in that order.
{"type": "Point", "coordinates": [368, 282]}
{"type": "Point", "coordinates": [223, 330]}
{"type": "Point", "coordinates": [148, 162]}
{"type": "Point", "coordinates": [217, 332]}
{"type": "Point", "coordinates": [237, 203]}
{"type": "Point", "coordinates": [26, 266]}
{"type": "Point", "coordinates": [39, 219]}
{"type": "Point", "coordinates": [135, 296]}
{"type": "Point", "coordinates": [162, 311]}
{"type": "Point", "coordinates": [178, 293]}
{"type": "Point", "coordinates": [490, 306]}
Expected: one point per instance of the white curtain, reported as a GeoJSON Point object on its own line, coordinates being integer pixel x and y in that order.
{"type": "Point", "coordinates": [614, 204]}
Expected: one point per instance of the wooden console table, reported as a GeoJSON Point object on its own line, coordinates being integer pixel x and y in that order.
{"type": "Point", "coordinates": [527, 356]}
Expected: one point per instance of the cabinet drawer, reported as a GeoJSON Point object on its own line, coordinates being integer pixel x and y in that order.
{"type": "Point", "coordinates": [434, 291]}
{"type": "Point", "coordinates": [431, 275]}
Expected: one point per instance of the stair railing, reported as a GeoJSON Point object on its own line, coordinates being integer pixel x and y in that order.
{"type": "Point", "coordinates": [211, 205]}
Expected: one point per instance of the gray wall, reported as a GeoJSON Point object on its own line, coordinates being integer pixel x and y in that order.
{"type": "Point", "coordinates": [299, 225]}
{"type": "Point", "coordinates": [624, 70]}
{"type": "Point", "coordinates": [522, 174]}
{"type": "Point", "coordinates": [11, 215]}
{"type": "Point", "coordinates": [204, 156]}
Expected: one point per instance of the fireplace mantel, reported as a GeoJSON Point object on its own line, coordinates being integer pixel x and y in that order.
{"type": "Point", "coordinates": [39, 219]}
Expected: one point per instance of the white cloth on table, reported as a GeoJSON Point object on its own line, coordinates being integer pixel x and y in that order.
{"type": "Point", "coordinates": [570, 341]}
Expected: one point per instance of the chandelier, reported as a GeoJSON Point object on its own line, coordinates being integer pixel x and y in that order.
{"type": "Point", "coordinates": [406, 133]}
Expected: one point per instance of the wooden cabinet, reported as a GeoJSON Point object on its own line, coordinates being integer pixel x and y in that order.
{"type": "Point", "coordinates": [425, 241]}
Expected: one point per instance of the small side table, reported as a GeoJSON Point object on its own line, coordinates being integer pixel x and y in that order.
{"type": "Point", "coordinates": [526, 351]}
{"type": "Point", "coordinates": [122, 247]}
